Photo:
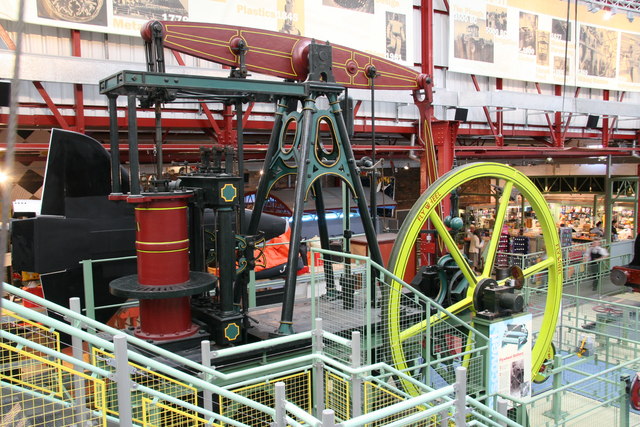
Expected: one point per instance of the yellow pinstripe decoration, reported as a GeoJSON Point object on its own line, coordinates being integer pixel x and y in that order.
{"type": "Point", "coordinates": [162, 243]}
{"type": "Point", "coordinates": [426, 208]}
{"type": "Point", "coordinates": [161, 209]}
{"type": "Point", "coordinates": [163, 252]}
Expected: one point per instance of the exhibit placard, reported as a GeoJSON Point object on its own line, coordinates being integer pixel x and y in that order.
{"type": "Point", "coordinates": [510, 343]}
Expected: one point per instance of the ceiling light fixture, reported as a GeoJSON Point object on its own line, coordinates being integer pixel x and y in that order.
{"type": "Point", "coordinates": [609, 13]}
{"type": "Point", "coordinates": [593, 8]}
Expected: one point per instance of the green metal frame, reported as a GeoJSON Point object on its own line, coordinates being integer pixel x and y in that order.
{"type": "Point", "coordinates": [135, 82]}
{"type": "Point", "coordinates": [320, 163]}
{"type": "Point", "coordinates": [622, 189]}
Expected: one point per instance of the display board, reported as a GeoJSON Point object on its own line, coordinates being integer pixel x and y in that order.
{"type": "Point", "coordinates": [549, 41]}
{"type": "Point", "coordinates": [380, 27]}
{"type": "Point", "coordinates": [510, 342]}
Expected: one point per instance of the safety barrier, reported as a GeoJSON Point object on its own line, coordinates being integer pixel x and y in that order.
{"type": "Point", "coordinates": [104, 377]}
{"type": "Point", "coordinates": [397, 324]}
{"type": "Point", "coordinates": [580, 275]}
{"type": "Point", "coordinates": [597, 352]}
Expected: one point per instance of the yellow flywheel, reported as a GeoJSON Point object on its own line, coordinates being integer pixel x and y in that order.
{"type": "Point", "coordinates": [426, 209]}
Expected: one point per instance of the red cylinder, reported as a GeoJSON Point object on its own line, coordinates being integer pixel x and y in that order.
{"type": "Point", "coordinates": [162, 245]}
{"type": "Point", "coordinates": [166, 319]}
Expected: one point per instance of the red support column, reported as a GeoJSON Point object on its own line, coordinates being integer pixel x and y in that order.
{"type": "Point", "coordinates": [426, 37]}
{"type": "Point", "coordinates": [428, 166]}
{"type": "Point", "coordinates": [228, 134]}
{"type": "Point", "coordinates": [78, 91]}
{"type": "Point", "coordinates": [605, 121]}
{"type": "Point", "coordinates": [444, 136]}
{"type": "Point", "coordinates": [557, 134]}
{"type": "Point", "coordinates": [499, 114]}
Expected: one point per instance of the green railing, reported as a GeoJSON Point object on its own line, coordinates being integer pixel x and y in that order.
{"type": "Point", "coordinates": [581, 276]}
{"type": "Point", "coordinates": [107, 378]}
{"type": "Point", "coordinates": [597, 344]}
{"type": "Point", "coordinates": [358, 302]}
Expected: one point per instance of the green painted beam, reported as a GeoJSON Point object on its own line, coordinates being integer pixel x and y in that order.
{"type": "Point", "coordinates": [134, 82]}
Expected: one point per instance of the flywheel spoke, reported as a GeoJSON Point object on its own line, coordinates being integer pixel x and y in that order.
{"type": "Point", "coordinates": [501, 214]}
{"type": "Point", "coordinates": [451, 245]}
{"type": "Point", "coordinates": [419, 327]}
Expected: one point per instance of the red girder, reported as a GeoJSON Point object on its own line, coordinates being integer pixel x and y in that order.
{"type": "Point", "coordinates": [78, 90]}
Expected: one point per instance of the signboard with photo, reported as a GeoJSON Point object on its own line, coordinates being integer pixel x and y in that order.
{"type": "Point", "coordinates": [380, 27]}
{"type": "Point", "coordinates": [540, 41]}
{"type": "Point", "coordinates": [510, 356]}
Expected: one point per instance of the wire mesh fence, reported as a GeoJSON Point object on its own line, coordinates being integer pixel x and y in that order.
{"type": "Point", "coordinates": [581, 275]}
{"type": "Point", "coordinates": [606, 329]}
{"type": "Point", "coordinates": [341, 300]}
{"type": "Point", "coordinates": [140, 376]}
{"type": "Point", "coordinates": [578, 397]}
{"type": "Point", "coordinates": [360, 382]}
{"type": "Point", "coordinates": [38, 389]}
{"type": "Point", "coordinates": [398, 326]}
{"type": "Point", "coordinates": [596, 343]}
{"type": "Point", "coordinates": [298, 392]}
{"type": "Point", "coordinates": [379, 395]}
{"type": "Point", "coordinates": [337, 394]}
{"type": "Point", "coordinates": [158, 414]}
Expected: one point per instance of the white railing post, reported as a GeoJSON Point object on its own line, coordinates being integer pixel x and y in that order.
{"type": "Point", "coordinates": [123, 380]}
{"type": "Point", "coordinates": [461, 396]}
{"type": "Point", "coordinates": [280, 396]}
{"type": "Point", "coordinates": [356, 381]}
{"type": "Point", "coordinates": [318, 370]}
{"type": "Point", "coordinates": [502, 409]}
{"type": "Point", "coordinates": [205, 353]}
{"type": "Point", "coordinates": [77, 352]}
{"type": "Point", "coordinates": [328, 418]}
{"type": "Point", "coordinates": [444, 418]}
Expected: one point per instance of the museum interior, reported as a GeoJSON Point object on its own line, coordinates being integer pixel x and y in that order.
{"type": "Point", "coordinates": [319, 213]}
